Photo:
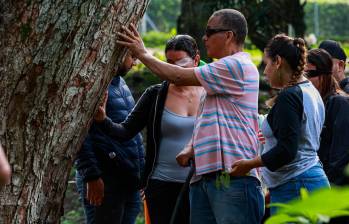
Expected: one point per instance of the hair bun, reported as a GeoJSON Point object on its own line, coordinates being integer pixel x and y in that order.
{"type": "Point", "coordinates": [298, 42]}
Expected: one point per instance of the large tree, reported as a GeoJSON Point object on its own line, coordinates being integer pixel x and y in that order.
{"type": "Point", "coordinates": [265, 18]}
{"type": "Point", "coordinates": [56, 60]}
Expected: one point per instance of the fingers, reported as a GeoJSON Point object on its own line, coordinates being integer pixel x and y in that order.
{"type": "Point", "coordinates": [129, 33]}
{"type": "Point", "coordinates": [128, 38]}
{"type": "Point", "coordinates": [142, 194]}
{"type": "Point", "coordinates": [233, 171]}
{"type": "Point", "coordinates": [105, 99]}
{"type": "Point", "coordinates": [182, 160]}
{"type": "Point", "coordinates": [261, 137]}
{"type": "Point", "coordinates": [123, 43]}
{"type": "Point", "coordinates": [96, 199]}
{"type": "Point", "coordinates": [134, 30]}
{"type": "Point", "coordinates": [95, 192]}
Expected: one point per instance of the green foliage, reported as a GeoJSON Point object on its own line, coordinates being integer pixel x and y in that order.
{"type": "Point", "coordinates": [140, 220]}
{"type": "Point", "coordinates": [155, 39]}
{"type": "Point", "coordinates": [327, 1]}
{"type": "Point", "coordinates": [73, 217]}
{"type": "Point", "coordinates": [333, 19]}
{"type": "Point", "coordinates": [256, 54]}
{"type": "Point", "coordinates": [164, 13]}
{"type": "Point", "coordinates": [223, 180]}
{"type": "Point", "coordinates": [317, 207]}
{"type": "Point", "coordinates": [140, 78]}
{"type": "Point", "coordinates": [345, 46]}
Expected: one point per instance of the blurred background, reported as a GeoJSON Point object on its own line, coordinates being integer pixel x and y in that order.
{"type": "Point", "coordinates": [314, 20]}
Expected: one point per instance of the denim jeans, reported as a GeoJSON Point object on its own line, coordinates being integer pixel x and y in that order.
{"type": "Point", "coordinates": [119, 206]}
{"type": "Point", "coordinates": [312, 179]}
{"type": "Point", "coordinates": [241, 202]}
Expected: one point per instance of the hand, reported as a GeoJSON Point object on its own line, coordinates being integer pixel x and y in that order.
{"type": "Point", "coordinates": [101, 111]}
{"type": "Point", "coordinates": [142, 194]}
{"type": "Point", "coordinates": [261, 137]}
{"type": "Point", "coordinates": [184, 156]}
{"type": "Point", "coordinates": [5, 174]}
{"type": "Point", "coordinates": [5, 169]}
{"type": "Point", "coordinates": [95, 192]}
{"type": "Point", "coordinates": [132, 40]}
{"type": "Point", "coordinates": [241, 168]}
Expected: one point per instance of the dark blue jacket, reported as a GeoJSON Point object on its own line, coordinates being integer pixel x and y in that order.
{"type": "Point", "coordinates": [101, 155]}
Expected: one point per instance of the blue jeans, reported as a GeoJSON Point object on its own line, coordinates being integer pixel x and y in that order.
{"type": "Point", "coordinates": [241, 202]}
{"type": "Point", "coordinates": [312, 179]}
{"type": "Point", "coordinates": [119, 206]}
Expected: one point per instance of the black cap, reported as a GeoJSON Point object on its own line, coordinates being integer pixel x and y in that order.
{"type": "Point", "coordinates": [334, 49]}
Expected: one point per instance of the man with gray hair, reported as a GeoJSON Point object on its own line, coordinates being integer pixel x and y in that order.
{"type": "Point", "coordinates": [226, 128]}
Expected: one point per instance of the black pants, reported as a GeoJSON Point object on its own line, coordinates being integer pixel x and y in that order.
{"type": "Point", "coordinates": [161, 198]}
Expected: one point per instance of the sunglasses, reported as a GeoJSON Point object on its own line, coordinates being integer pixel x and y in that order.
{"type": "Point", "coordinates": [209, 32]}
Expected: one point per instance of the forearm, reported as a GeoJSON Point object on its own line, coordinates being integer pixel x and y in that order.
{"type": "Point", "coordinates": [172, 73]}
{"type": "Point", "coordinates": [115, 130]}
{"type": "Point", "coordinates": [256, 162]}
{"type": "Point", "coordinates": [279, 156]}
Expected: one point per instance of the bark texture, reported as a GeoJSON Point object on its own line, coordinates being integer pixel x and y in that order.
{"type": "Point", "coordinates": [56, 60]}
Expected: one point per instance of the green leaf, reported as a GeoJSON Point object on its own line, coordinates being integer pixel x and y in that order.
{"type": "Point", "coordinates": [280, 205]}
{"type": "Point", "coordinates": [319, 206]}
{"type": "Point", "coordinates": [323, 218]}
{"type": "Point", "coordinates": [284, 218]}
{"type": "Point", "coordinates": [304, 193]}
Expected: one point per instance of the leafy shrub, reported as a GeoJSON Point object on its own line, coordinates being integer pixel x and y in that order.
{"type": "Point", "coordinates": [318, 207]}
{"type": "Point", "coordinates": [155, 39]}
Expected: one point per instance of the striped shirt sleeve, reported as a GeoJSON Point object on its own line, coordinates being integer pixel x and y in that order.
{"type": "Point", "coordinates": [223, 77]}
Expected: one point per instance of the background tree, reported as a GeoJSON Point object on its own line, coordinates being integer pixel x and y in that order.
{"type": "Point", "coordinates": [57, 58]}
{"type": "Point", "coordinates": [164, 13]}
{"type": "Point", "coordinates": [265, 18]}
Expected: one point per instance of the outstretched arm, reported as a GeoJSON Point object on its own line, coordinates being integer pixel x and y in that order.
{"type": "Point", "coordinates": [134, 122]}
{"type": "Point", "coordinates": [173, 73]}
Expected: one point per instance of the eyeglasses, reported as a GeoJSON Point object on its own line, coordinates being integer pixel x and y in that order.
{"type": "Point", "coordinates": [209, 32]}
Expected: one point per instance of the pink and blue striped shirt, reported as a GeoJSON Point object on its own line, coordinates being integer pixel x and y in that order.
{"type": "Point", "coordinates": [226, 129]}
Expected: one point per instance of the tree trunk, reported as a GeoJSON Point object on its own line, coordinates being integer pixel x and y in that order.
{"type": "Point", "coordinates": [57, 58]}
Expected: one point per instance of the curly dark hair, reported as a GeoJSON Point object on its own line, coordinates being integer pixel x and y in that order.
{"type": "Point", "coordinates": [293, 50]}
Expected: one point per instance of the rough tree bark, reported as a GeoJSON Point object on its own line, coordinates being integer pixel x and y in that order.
{"type": "Point", "coordinates": [56, 60]}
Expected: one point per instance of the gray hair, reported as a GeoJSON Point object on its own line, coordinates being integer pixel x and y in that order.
{"type": "Point", "coordinates": [235, 21]}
